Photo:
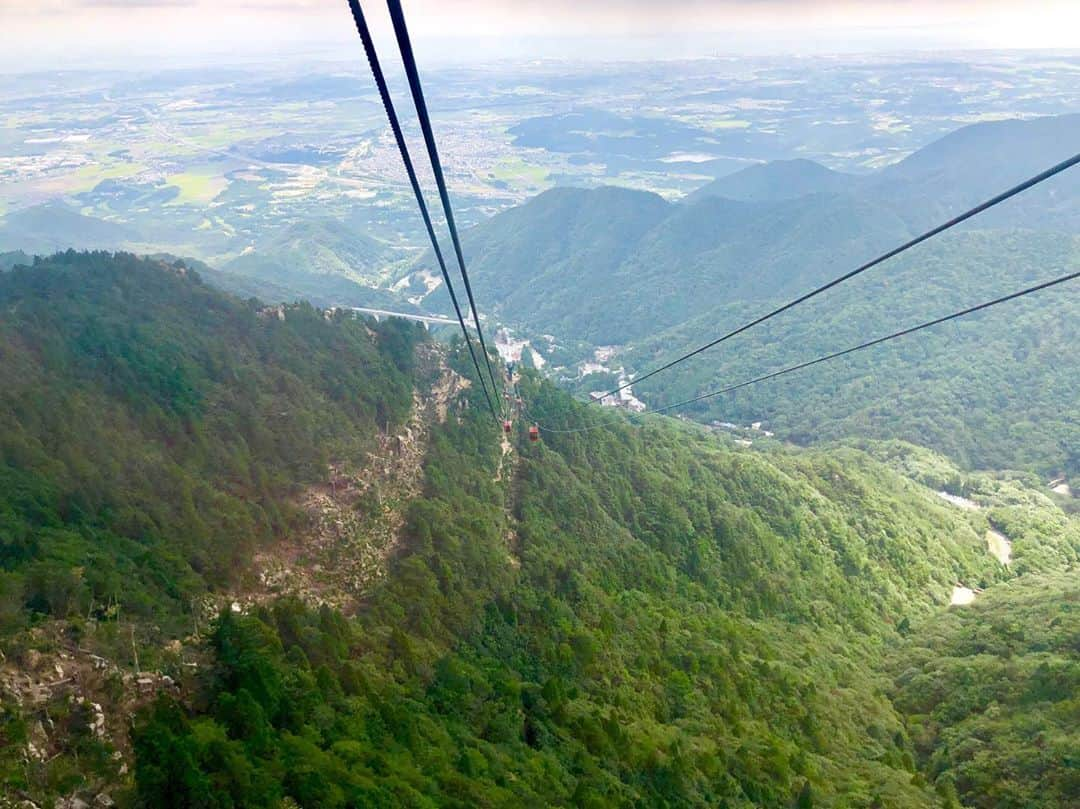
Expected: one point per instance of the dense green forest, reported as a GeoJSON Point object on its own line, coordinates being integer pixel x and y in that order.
{"type": "Point", "coordinates": [646, 614]}
{"type": "Point", "coordinates": [995, 390]}
{"type": "Point", "coordinates": [152, 428]}
{"type": "Point", "coordinates": [992, 695]}
{"type": "Point", "coordinates": [659, 621]}
{"type": "Point", "coordinates": [655, 279]}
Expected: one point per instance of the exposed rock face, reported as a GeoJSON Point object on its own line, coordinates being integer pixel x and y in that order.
{"type": "Point", "coordinates": [355, 520]}
{"type": "Point", "coordinates": [63, 692]}
{"type": "Point", "coordinates": [355, 517]}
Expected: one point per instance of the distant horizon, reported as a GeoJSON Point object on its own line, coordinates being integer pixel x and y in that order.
{"type": "Point", "coordinates": [316, 56]}
{"type": "Point", "coordinates": [109, 34]}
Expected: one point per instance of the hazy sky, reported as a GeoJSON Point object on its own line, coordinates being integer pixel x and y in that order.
{"type": "Point", "coordinates": [58, 33]}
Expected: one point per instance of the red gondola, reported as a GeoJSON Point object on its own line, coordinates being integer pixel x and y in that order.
{"type": "Point", "coordinates": [534, 433]}
{"type": "Point", "coordinates": [506, 426]}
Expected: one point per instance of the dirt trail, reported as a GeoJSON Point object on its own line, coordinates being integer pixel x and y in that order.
{"type": "Point", "coordinates": [959, 502]}
{"type": "Point", "coordinates": [999, 546]}
{"type": "Point", "coordinates": [961, 595]}
{"type": "Point", "coordinates": [506, 448]}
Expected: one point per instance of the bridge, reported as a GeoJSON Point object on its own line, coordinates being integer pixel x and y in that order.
{"type": "Point", "coordinates": [427, 320]}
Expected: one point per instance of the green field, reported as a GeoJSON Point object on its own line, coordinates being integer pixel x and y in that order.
{"type": "Point", "coordinates": [195, 188]}
{"type": "Point", "coordinates": [728, 123]}
{"type": "Point", "coordinates": [87, 177]}
{"type": "Point", "coordinates": [517, 172]}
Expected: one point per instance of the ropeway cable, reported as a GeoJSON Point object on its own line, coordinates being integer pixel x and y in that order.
{"type": "Point", "coordinates": [990, 203]}
{"type": "Point", "coordinates": [870, 343]}
{"type": "Point", "coordinates": [835, 355]}
{"type": "Point", "coordinates": [401, 30]}
{"type": "Point", "coordinates": [395, 125]}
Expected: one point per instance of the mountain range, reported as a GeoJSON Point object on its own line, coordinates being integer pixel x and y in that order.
{"type": "Point", "coordinates": [616, 267]}
{"type": "Point", "coordinates": [765, 230]}
{"type": "Point", "coordinates": [322, 260]}
{"type": "Point", "coordinates": [953, 173]}
{"type": "Point", "coordinates": [270, 556]}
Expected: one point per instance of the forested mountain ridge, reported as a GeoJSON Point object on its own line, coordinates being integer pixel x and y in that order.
{"type": "Point", "coordinates": [617, 249]}
{"type": "Point", "coordinates": [569, 263]}
{"type": "Point", "coordinates": [147, 416]}
{"type": "Point", "coordinates": [778, 180]}
{"type": "Point", "coordinates": [566, 231]}
{"type": "Point", "coordinates": [664, 278]}
{"type": "Point", "coordinates": [644, 614]}
{"type": "Point", "coordinates": [978, 161]}
{"type": "Point", "coordinates": [994, 390]}
{"type": "Point", "coordinates": [952, 173]}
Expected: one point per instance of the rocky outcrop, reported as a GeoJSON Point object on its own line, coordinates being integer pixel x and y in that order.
{"type": "Point", "coordinates": [355, 517]}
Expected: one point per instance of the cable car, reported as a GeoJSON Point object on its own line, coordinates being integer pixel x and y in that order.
{"type": "Point", "coordinates": [506, 426]}
{"type": "Point", "coordinates": [534, 433]}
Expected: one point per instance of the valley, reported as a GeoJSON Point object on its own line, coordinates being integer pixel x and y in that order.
{"type": "Point", "coordinates": [209, 164]}
{"type": "Point", "coordinates": [578, 270]}
{"type": "Point", "coordinates": [386, 550]}
{"type": "Point", "coordinates": [266, 542]}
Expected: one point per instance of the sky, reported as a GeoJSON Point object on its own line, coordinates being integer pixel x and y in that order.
{"type": "Point", "coordinates": [41, 34]}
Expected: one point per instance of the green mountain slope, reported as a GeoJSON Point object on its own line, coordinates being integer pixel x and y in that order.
{"type": "Point", "coordinates": [565, 234]}
{"type": "Point", "coordinates": [978, 161]}
{"type": "Point", "coordinates": [992, 696]}
{"type": "Point", "coordinates": [778, 180]}
{"type": "Point", "coordinates": [611, 266]}
{"type": "Point", "coordinates": [151, 429]}
{"type": "Point", "coordinates": [644, 614]}
{"type": "Point", "coordinates": [995, 390]}
{"type": "Point", "coordinates": [719, 250]}
{"type": "Point", "coordinates": [656, 620]}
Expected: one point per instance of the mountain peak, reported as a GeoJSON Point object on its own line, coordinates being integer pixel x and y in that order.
{"type": "Point", "coordinates": [777, 180]}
